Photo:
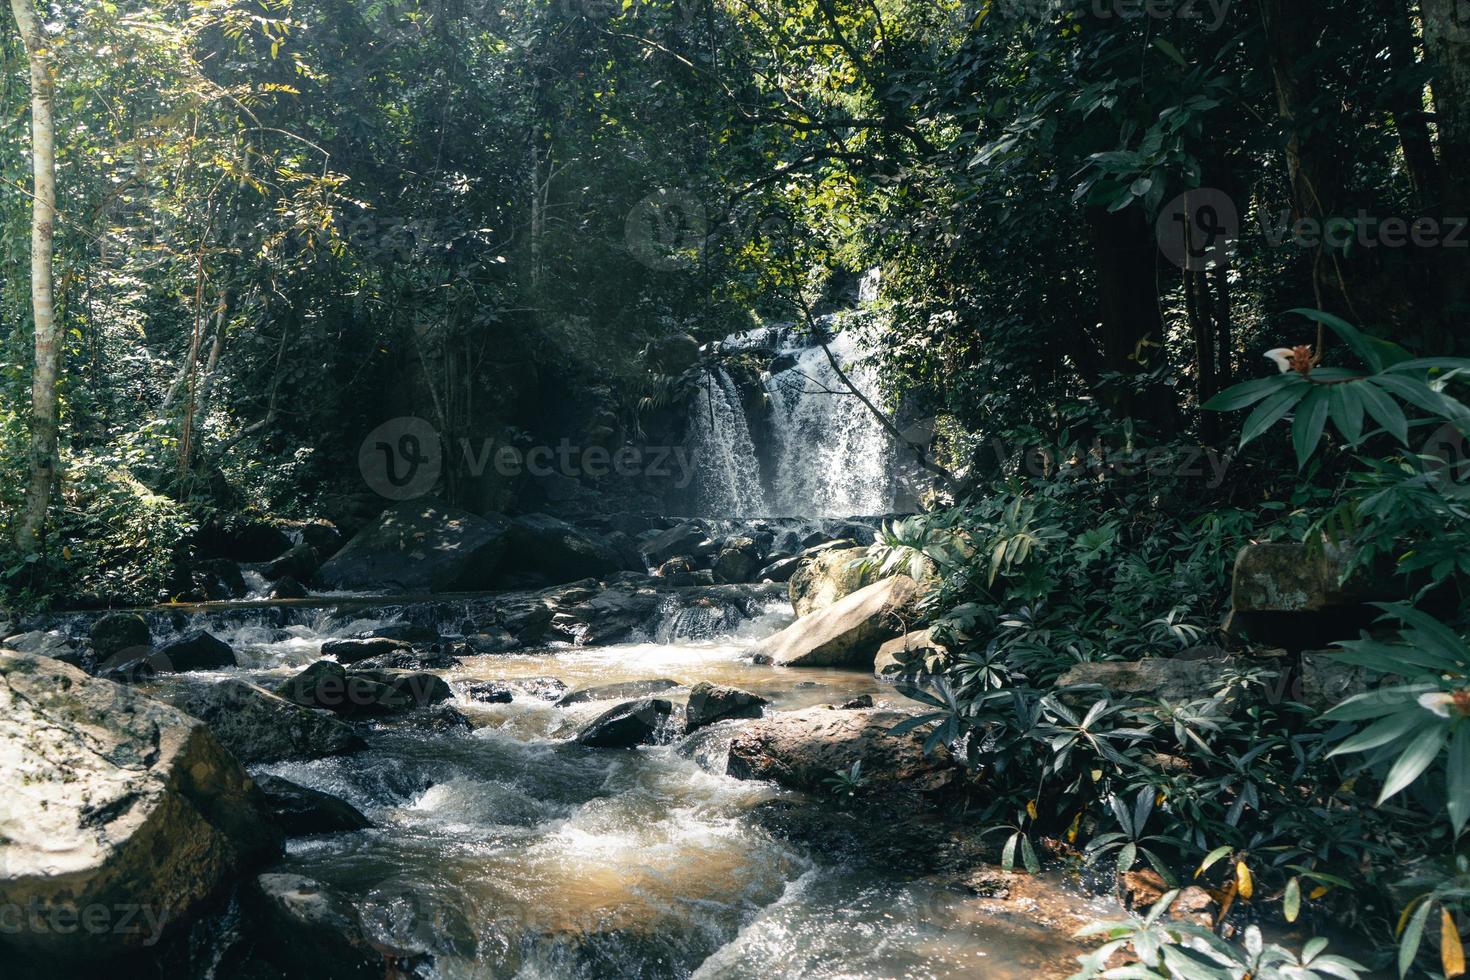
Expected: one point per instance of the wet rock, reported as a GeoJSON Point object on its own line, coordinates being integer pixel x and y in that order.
{"type": "Point", "coordinates": [613, 692]}
{"type": "Point", "coordinates": [288, 588]}
{"type": "Point", "coordinates": [407, 689]}
{"type": "Point", "coordinates": [556, 551]}
{"type": "Point", "coordinates": [628, 725]}
{"type": "Point", "coordinates": [409, 634]}
{"type": "Point", "coordinates": [913, 656]}
{"type": "Point", "coordinates": [406, 659]}
{"type": "Point", "coordinates": [493, 641]}
{"type": "Point", "coordinates": [217, 580]}
{"type": "Point", "coordinates": [242, 539]}
{"type": "Point", "coordinates": [351, 651]}
{"type": "Point", "coordinates": [53, 644]}
{"type": "Point", "coordinates": [116, 632]}
{"type": "Point", "coordinates": [441, 719]}
{"type": "Point", "coordinates": [327, 685]}
{"type": "Point", "coordinates": [802, 749]}
{"type": "Point", "coordinates": [299, 562]}
{"type": "Point", "coordinates": [847, 633]}
{"type": "Point", "coordinates": [681, 565]}
{"type": "Point", "coordinates": [420, 546]}
{"type": "Point", "coordinates": [301, 811]}
{"type": "Point", "coordinates": [828, 577]}
{"type": "Point", "coordinates": [681, 539]}
{"type": "Point", "coordinates": [1153, 679]}
{"type": "Point", "coordinates": [738, 561]}
{"type": "Point", "coordinates": [607, 617]}
{"type": "Point", "coordinates": [709, 704]}
{"type": "Point", "coordinates": [487, 692]}
{"type": "Point", "coordinates": [1142, 889]}
{"type": "Point", "coordinates": [194, 650]}
{"type": "Point", "coordinates": [320, 534]}
{"type": "Point", "coordinates": [111, 799]}
{"type": "Point", "coordinates": [310, 932]}
{"type": "Point", "coordinates": [539, 688]}
{"type": "Point", "coordinates": [857, 703]}
{"type": "Point", "coordinates": [780, 570]}
{"type": "Point", "coordinates": [257, 726]}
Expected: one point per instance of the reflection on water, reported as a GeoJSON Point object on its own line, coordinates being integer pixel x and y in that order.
{"type": "Point", "coordinates": [511, 851]}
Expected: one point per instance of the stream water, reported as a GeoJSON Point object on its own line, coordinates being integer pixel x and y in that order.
{"type": "Point", "coordinates": [512, 851]}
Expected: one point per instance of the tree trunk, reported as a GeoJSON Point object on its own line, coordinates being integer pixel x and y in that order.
{"type": "Point", "coordinates": [32, 525]}
{"type": "Point", "coordinates": [1447, 42]}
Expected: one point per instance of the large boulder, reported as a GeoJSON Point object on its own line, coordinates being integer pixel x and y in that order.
{"type": "Point", "coordinates": [613, 692]}
{"type": "Point", "coordinates": [257, 726]}
{"type": "Point", "coordinates": [112, 803]}
{"type": "Point", "coordinates": [43, 643]}
{"type": "Point", "coordinates": [327, 686]}
{"type": "Point", "coordinates": [1287, 595]}
{"type": "Point", "coordinates": [553, 550]}
{"type": "Point", "coordinates": [913, 656]}
{"type": "Point", "coordinates": [420, 546]}
{"type": "Point", "coordinates": [300, 562]}
{"type": "Point", "coordinates": [626, 726]}
{"type": "Point", "coordinates": [829, 576]}
{"type": "Point", "coordinates": [709, 703]}
{"type": "Point", "coordinates": [194, 650]}
{"type": "Point", "coordinates": [738, 561]}
{"type": "Point", "coordinates": [308, 931]}
{"type": "Point", "coordinates": [355, 649]}
{"type": "Point", "coordinates": [803, 749]}
{"type": "Point", "coordinates": [682, 539]}
{"type": "Point", "coordinates": [1164, 679]}
{"type": "Point", "coordinates": [848, 633]}
{"type": "Point", "coordinates": [301, 811]}
{"type": "Point", "coordinates": [781, 569]}
{"type": "Point", "coordinates": [116, 632]}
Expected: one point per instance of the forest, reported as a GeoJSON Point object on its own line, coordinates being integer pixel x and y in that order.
{"type": "Point", "coordinates": [734, 488]}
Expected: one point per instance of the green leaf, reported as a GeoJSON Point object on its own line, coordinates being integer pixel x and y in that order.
{"type": "Point", "coordinates": [1213, 857]}
{"type": "Point", "coordinates": [1385, 412]}
{"type": "Point", "coordinates": [1171, 52]}
{"type": "Point", "coordinates": [1457, 769]}
{"type": "Point", "coordinates": [1291, 902]}
{"type": "Point", "coordinates": [1269, 412]}
{"type": "Point", "coordinates": [1412, 936]}
{"type": "Point", "coordinates": [1419, 756]}
{"type": "Point", "coordinates": [1127, 857]}
{"type": "Point", "coordinates": [1351, 335]}
{"type": "Point", "coordinates": [1347, 410]}
{"type": "Point", "coordinates": [1028, 856]}
{"type": "Point", "coordinates": [1311, 419]}
{"type": "Point", "coordinates": [1008, 854]}
{"type": "Point", "coordinates": [1415, 392]}
{"type": "Point", "coordinates": [1248, 393]}
{"type": "Point", "coordinates": [1381, 732]}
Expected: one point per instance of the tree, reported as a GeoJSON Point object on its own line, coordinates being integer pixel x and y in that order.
{"type": "Point", "coordinates": [43, 308]}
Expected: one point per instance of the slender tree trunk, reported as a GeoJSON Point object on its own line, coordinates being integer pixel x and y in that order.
{"type": "Point", "coordinates": [47, 369]}
{"type": "Point", "coordinates": [1447, 43]}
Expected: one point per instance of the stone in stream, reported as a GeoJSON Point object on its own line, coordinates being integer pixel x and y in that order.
{"type": "Point", "coordinates": [628, 725]}
{"type": "Point", "coordinates": [217, 579]}
{"type": "Point", "coordinates": [53, 644]}
{"type": "Point", "coordinates": [299, 562]}
{"type": "Point", "coordinates": [301, 811]}
{"type": "Point", "coordinates": [287, 588]}
{"type": "Point", "coordinates": [494, 640]}
{"type": "Point", "coordinates": [407, 689]}
{"type": "Point", "coordinates": [502, 692]}
{"type": "Point", "coordinates": [829, 576]}
{"type": "Point", "coordinates": [914, 656]}
{"type": "Point", "coordinates": [847, 633]}
{"type": "Point", "coordinates": [116, 632]}
{"type": "Point", "coordinates": [682, 539]}
{"type": "Point", "coordinates": [257, 726]}
{"type": "Point", "coordinates": [194, 650]}
{"type": "Point", "coordinates": [780, 570]}
{"type": "Point", "coordinates": [408, 634]}
{"type": "Point", "coordinates": [709, 703]}
{"type": "Point", "coordinates": [328, 686]}
{"type": "Point", "coordinates": [612, 692]}
{"type": "Point", "coordinates": [309, 932]}
{"type": "Point", "coordinates": [738, 561]}
{"type": "Point", "coordinates": [352, 650]}
{"type": "Point", "coordinates": [407, 659]}
{"type": "Point", "coordinates": [110, 800]}
{"type": "Point", "coordinates": [803, 749]}
{"type": "Point", "coordinates": [487, 692]}
{"type": "Point", "coordinates": [420, 545]}
{"type": "Point", "coordinates": [543, 546]}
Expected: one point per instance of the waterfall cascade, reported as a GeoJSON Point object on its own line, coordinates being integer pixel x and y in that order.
{"type": "Point", "coordinates": [825, 454]}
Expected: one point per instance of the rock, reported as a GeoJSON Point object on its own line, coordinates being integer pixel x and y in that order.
{"type": "Point", "coordinates": [779, 570]}
{"type": "Point", "coordinates": [613, 692]}
{"type": "Point", "coordinates": [855, 704]}
{"type": "Point", "coordinates": [913, 655]}
{"type": "Point", "coordinates": [1152, 679]}
{"type": "Point", "coordinates": [218, 579]}
{"type": "Point", "coordinates": [113, 801]}
{"type": "Point", "coordinates": [555, 550]}
{"type": "Point", "coordinates": [321, 535]}
{"type": "Point", "coordinates": [408, 634]}
{"type": "Point", "coordinates": [442, 719]}
{"type": "Point", "coordinates": [299, 562]}
{"type": "Point", "coordinates": [828, 577]}
{"type": "Point", "coordinates": [627, 725]}
{"type": "Point", "coordinates": [496, 640]}
{"type": "Point", "coordinates": [288, 588]}
{"type": "Point", "coordinates": [1284, 595]}
{"type": "Point", "coordinates": [407, 689]}
{"type": "Point", "coordinates": [257, 726]}
{"type": "Point", "coordinates": [242, 539]}
{"type": "Point", "coordinates": [300, 811]}
{"type": "Point", "coordinates": [500, 692]}
{"type": "Point", "coordinates": [677, 566]}
{"type": "Point", "coordinates": [53, 644]}
{"type": "Point", "coordinates": [326, 685]}
{"type": "Point", "coordinates": [1143, 888]}
{"type": "Point", "coordinates": [609, 616]}
{"type": "Point", "coordinates": [528, 620]}
{"type": "Point", "coordinates": [350, 651]}
{"type": "Point", "coordinates": [1326, 682]}
{"type": "Point", "coordinates": [406, 659]}
{"type": "Point", "coordinates": [194, 650]}
{"type": "Point", "coordinates": [848, 633]}
{"type": "Point", "coordinates": [681, 539]}
{"type": "Point", "coordinates": [420, 546]}
{"type": "Point", "coordinates": [116, 632]}
{"type": "Point", "coordinates": [310, 932]}
{"type": "Point", "coordinates": [487, 692]}
{"type": "Point", "coordinates": [738, 561]}
{"type": "Point", "coordinates": [675, 354]}
{"type": "Point", "coordinates": [709, 704]}
{"type": "Point", "coordinates": [802, 749]}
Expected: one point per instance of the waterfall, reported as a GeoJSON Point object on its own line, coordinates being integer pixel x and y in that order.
{"type": "Point", "coordinates": [831, 456]}
{"type": "Point", "coordinates": [726, 474]}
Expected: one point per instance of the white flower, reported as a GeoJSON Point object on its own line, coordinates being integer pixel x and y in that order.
{"type": "Point", "coordinates": [1281, 356]}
